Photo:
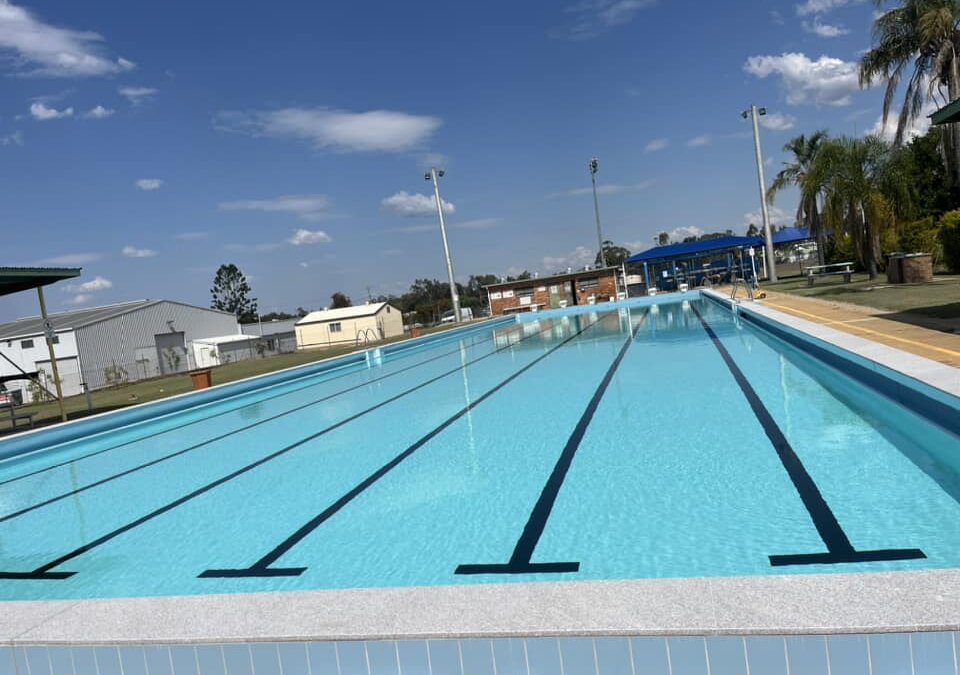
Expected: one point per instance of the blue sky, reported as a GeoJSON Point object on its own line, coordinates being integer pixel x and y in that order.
{"type": "Point", "coordinates": [151, 142]}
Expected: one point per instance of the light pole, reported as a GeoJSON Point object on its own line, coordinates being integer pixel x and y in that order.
{"type": "Point", "coordinates": [755, 113]}
{"type": "Point", "coordinates": [594, 167]}
{"type": "Point", "coordinates": [434, 175]}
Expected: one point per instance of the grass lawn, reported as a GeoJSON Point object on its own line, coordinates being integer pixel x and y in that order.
{"type": "Point", "coordinates": [938, 299]}
{"type": "Point", "coordinates": [162, 387]}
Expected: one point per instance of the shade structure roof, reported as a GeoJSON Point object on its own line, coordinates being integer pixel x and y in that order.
{"type": "Point", "coordinates": [693, 248]}
{"type": "Point", "coordinates": [16, 279]}
{"type": "Point", "coordinates": [947, 114]}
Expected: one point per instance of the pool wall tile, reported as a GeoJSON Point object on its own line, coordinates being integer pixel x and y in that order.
{"type": "Point", "coordinates": [157, 658]}
{"type": "Point", "coordinates": [6, 661]}
{"type": "Point", "coordinates": [85, 663]}
{"type": "Point", "coordinates": [848, 654]}
{"type": "Point", "coordinates": [934, 654]}
{"type": "Point", "coordinates": [383, 657]}
{"type": "Point", "coordinates": [650, 656]}
{"type": "Point", "coordinates": [293, 658]}
{"type": "Point", "coordinates": [767, 654]}
{"type": "Point", "coordinates": [132, 660]}
{"type": "Point", "coordinates": [688, 655]}
{"type": "Point", "coordinates": [352, 658]}
{"type": "Point", "coordinates": [726, 656]}
{"type": "Point", "coordinates": [509, 656]}
{"type": "Point", "coordinates": [38, 660]}
{"type": "Point", "coordinates": [613, 656]}
{"type": "Point", "coordinates": [209, 660]}
{"type": "Point", "coordinates": [543, 656]}
{"type": "Point", "coordinates": [237, 659]}
{"type": "Point", "coordinates": [265, 658]}
{"type": "Point", "coordinates": [413, 657]}
{"type": "Point", "coordinates": [184, 659]}
{"type": "Point", "coordinates": [477, 657]}
{"type": "Point", "coordinates": [807, 655]}
{"type": "Point", "coordinates": [444, 657]}
{"type": "Point", "coordinates": [890, 654]}
{"type": "Point", "coordinates": [322, 657]}
{"type": "Point", "coordinates": [61, 662]}
{"type": "Point", "coordinates": [578, 656]}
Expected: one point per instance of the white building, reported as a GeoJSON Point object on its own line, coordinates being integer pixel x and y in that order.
{"type": "Point", "coordinates": [349, 325]}
{"type": "Point", "coordinates": [108, 345]}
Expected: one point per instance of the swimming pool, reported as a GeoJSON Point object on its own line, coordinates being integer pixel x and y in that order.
{"type": "Point", "coordinates": [604, 443]}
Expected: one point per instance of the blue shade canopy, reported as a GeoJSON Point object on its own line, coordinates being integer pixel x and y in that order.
{"type": "Point", "coordinates": [691, 248]}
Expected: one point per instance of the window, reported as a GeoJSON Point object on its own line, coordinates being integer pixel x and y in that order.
{"type": "Point", "coordinates": [335, 327]}
{"type": "Point", "coordinates": [26, 344]}
{"type": "Point", "coordinates": [388, 309]}
{"type": "Point", "coordinates": [589, 283]}
{"type": "Point", "coordinates": [525, 293]}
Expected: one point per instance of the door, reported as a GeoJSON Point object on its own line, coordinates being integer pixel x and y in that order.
{"type": "Point", "coordinates": [171, 353]}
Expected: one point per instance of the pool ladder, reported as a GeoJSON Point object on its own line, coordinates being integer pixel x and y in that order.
{"type": "Point", "coordinates": [737, 282]}
{"type": "Point", "coordinates": [363, 336]}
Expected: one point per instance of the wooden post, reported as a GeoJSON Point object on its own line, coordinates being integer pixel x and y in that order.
{"type": "Point", "coordinates": [53, 358]}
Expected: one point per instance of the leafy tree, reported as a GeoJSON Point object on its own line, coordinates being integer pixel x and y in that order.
{"type": "Point", "coordinates": [663, 239]}
{"type": "Point", "coordinates": [950, 239]}
{"type": "Point", "coordinates": [753, 231]}
{"type": "Point", "coordinates": [339, 300]}
{"type": "Point", "coordinates": [301, 312]}
{"type": "Point", "coordinates": [613, 254]}
{"type": "Point", "coordinates": [520, 277]}
{"type": "Point", "coordinates": [276, 316]}
{"type": "Point", "coordinates": [231, 293]}
{"type": "Point", "coordinates": [796, 174]}
{"type": "Point", "coordinates": [934, 195]}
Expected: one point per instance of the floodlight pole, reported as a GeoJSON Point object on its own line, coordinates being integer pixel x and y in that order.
{"type": "Point", "coordinates": [755, 113]}
{"type": "Point", "coordinates": [594, 167]}
{"type": "Point", "coordinates": [434, 175]}
{"type": "Point", "coordinates": [48, 333]}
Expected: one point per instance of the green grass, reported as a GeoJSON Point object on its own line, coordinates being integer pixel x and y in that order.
{"type": "Point", "coordinates": [164, 387]}
{"type": "Point", "coordinates": [939, 298]}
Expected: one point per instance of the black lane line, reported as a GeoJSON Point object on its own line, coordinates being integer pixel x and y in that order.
{"type": "Point", "coordinates": [33, 507]}
{"type": "Point", "coordinates": [520, 560]}
{"type": "Point", "coordinates": [43, 572]}
{"type": "Point", "coordinates": [262, 568]}
{"type": "Point", "coordinates": [839, 548]}
{"type": "Point", "coordinates": [247, 405]}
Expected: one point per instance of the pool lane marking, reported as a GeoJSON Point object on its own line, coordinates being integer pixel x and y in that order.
{"type": "Point", "coordinates": [43, 572]}
{"type": "Point", "coordinates": [182, 451]}
{"type": "Point", "coordinates": [246, 405]}
{"type": "Point", "coordinates": [839, 548]}
{"type": "Point", "coordinates": [262, 568]}
{"type": "Point", "coordinates": [520, 560]}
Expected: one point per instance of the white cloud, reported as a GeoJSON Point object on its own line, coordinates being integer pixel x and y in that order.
{"type": "Point", "coordinates": [98, 283]}
{"type": "Point", "coordinates": [137, 95]}
{"type": "Point", "coordinates": [134, 252]}
{"type": "Point", "coordinates": [304, 264]}
{"type": "Point", "coordinates": [776, 17]}
{"type": "Point", "coordinates": [918, 127]}
{"type": "Point", "coordinates": [339, 130]}
{"type": "Point", "coordinates": [258, 248]}
{"type": "Point", "coordinates": [81, 299]}
{"type": "Point", "coordinates": [826, 81]}
{"type": "Point", "coordinates": [407, 204]}
{"type": "Point", "coordinates": [98, 113]}
{"type": "Point", "coordinates": [699, 141]}
{"type": "Point", "coordinates": [824, 30]}
{"type": "Point", "coordinates": [40, 49]}
{"type": "Point", "coordinates": [433, 159]}
{"type": "Point", "coordinates": [656, 144]}
{"type": "Point", "coordinates": [590, 18]}
{"type": "Point", "coordinates": [777, 121]}
{"type": "Point", "coordinates": [15, 138]}
{"type": "Point", "coordinates": [577, 258]}
{"type": "Point", "coordinates": [72, 259]}
{"type": "Point", "coordinates": [304, 237]}
{"type": "Point", "coordinates": [777, 217]}
{"type": "Point", "coordinates": [823, 6]}
{"type": "Point", "coordinates": [305, 207]}
{"type": "Point", "coordinates": [148, 184]}
{"type": "Point", "coordinates": [476, 224]}
{"type": "Point", "coordinates": [681, 233]}
{"type": "Point", "coordinates": [192, 236]}
{"type": "Point", "coordinates": [42, 112]}
{"type": "Point", "coordinates": [603, 189]}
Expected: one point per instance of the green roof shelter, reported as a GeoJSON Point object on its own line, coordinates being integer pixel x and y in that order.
{"type": "Point", "coordinates": [948, 114]}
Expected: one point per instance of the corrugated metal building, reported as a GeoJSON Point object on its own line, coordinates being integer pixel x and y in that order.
{"type": "Point", "coordinates": [108, 345]}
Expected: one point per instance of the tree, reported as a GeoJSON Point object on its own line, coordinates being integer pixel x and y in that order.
{"type": "Point", "coordinates": [918, 39]}
{"type": "Point", "coordinates": [231, 293]}
{"type": "Point", "coordinates": [276, 316]}
{"type": "Point", "coordinates": [339, 300]}
{"type": "Point", "coordinates": [613, 255]}
{"type": "Point", "coordinates": [301, 312]}
{"type": "Point", "coordinates": [929, 176]}
{"type": "Point", "coordinates": [804, 149]}
{"type": "Point", "coordinates": [753, 231]}
{"type": "Point", "coordinates": [663, 239]}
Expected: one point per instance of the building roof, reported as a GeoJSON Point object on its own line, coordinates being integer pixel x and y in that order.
{"type": "Point", "coordinates": [225, 339]}
{"type": "Point", "coordinates": [269, 327]}
{"type": "Point", "coordinates": [341, 313]}
{"type": "Point", "coordinates": [79, 318]}
{"type": "Point", "coordinates": [16, 279]}
{"type": "Point", "coordinates": [554, 278]}
{"type": "Point", "coordinates": [692, 248]}
{"type": "Point", "coordinates": [947, 114]}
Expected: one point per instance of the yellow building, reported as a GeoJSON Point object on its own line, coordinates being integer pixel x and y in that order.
{"type": "Point", "coordinates": [348, 325]}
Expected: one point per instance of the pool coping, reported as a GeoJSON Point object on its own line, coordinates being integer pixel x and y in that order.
{"type": "Point", "coordinates": [834, 603]}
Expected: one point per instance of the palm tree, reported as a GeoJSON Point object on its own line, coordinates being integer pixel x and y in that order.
{"type": "Point", "coordinates": [804, 149]}
{"type": "Point", "coordinates": [865, 189]}
{"type": "Point", "coordinates": [920, 40]}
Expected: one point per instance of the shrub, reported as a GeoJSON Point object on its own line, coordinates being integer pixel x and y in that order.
{"type": "Point", "coordinates": [919, 236]}
{"type": "Point", "coordinates": [840, 249]}
{"type": "Point", "coordinates": [950, 239]}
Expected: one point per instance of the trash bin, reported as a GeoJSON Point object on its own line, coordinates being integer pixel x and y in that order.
{"type": "Point", "coordinates": [909, 268]}
{"type": "Point", "coordinates": [414, 331]}
{"type": "Point", "coordinates": [201, 378]}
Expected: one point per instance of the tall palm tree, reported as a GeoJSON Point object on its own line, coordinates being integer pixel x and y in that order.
{"type": "Point", "coordinates": [804, 149]}
{"type": "Point", "coordinates": [918, 40]}
{"type": "Point", "coordinates": [865, 189]}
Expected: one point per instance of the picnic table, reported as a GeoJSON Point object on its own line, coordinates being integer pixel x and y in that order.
{"type": "Point", "coordinates": [844, 268]}
{"type": "Point", "coordinates": [7, 407]}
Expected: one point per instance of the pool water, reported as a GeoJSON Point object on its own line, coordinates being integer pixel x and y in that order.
{"type": "Point", "coordinates": [601, 443]}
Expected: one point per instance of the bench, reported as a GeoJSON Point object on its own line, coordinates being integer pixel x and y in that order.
{"type": "Point", "coordinates": [814, 271]}
{"type": "Point", "coordinates": [11, 410]}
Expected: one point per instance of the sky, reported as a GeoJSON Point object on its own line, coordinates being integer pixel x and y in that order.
{"type": "Point", "coordinates": [149, 143]}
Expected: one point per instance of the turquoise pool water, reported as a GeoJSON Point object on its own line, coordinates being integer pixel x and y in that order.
{"type": "Point", "coordinates": [648, 441]}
